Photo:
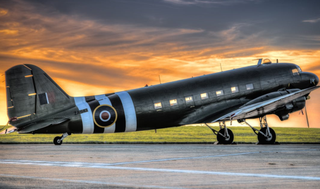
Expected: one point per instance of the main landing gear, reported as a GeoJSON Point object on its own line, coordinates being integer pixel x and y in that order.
{"type": "Point", "coordinates": [266, 135]}
{"type": "Point", "coordinates": [224, 135]}
{"type": "Point", "coordinates": [58, 140]}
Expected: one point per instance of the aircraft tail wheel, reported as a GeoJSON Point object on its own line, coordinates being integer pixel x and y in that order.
{"type": "Point", "coordinates": [57, 140]}
{"type": "Point", "coordinates": [223, 138]}
{"type": "Point", "coordinates": [270, 139]}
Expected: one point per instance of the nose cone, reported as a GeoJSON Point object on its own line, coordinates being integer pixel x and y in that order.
{"type": "Point", "coordinates": [307, 80]}
{"type": "Point", "coordinates": [314, 79]}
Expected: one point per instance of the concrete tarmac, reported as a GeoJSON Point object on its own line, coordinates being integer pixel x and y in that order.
{"type": "Point", "coordinates": [159, 166]}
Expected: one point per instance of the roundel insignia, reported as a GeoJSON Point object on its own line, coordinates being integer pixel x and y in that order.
{"type": "Point", "coordinates": [104, 116]}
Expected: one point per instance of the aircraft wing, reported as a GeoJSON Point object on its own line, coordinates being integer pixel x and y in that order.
{"type": "Point", "coordinates": [264, 107]}
{"type": "Point", "coordinates": [42, 124]}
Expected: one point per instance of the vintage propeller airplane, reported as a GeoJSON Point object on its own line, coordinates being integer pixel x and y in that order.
{"type": "Point", "coordinates": [36, 104]}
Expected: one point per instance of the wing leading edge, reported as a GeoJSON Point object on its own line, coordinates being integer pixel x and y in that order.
{"type": "Point", "coordinates": [264, 107]}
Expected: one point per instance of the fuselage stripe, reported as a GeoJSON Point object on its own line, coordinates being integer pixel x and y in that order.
{"type": "Point", "coordinates": [86, 117]}
{"type": "Point", "coordinates": [129, 111]}
{"type": "Point", "coordinates": [103, 99]}
{"type": "Point", "coordinates": [93, 104]}
{"type": "Point", "coordinates": [117, 104]}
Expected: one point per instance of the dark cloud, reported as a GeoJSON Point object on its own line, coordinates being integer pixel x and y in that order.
{"type": "Point", "coordinates": [139, 30]}
{"type": "Point", "coordinates": [102, 31]}
{"type": "Point", "coordinates": [279, 22]}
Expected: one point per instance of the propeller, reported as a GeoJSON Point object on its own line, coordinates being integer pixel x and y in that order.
{"type": "Point", "coordinates": [305, 109]}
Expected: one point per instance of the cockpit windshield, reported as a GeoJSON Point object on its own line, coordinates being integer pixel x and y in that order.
{"type": "Point", "coordinates": [296, 71]}
{"type": "Point", "coordinates": [299, 69]}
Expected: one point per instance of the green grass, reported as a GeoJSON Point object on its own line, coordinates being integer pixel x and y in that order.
{"type": "Point", "coordinates": [185, 134]}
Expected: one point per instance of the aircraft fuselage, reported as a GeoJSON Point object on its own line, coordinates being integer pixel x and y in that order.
{"type": "Point", "coordinates": [195, 100]}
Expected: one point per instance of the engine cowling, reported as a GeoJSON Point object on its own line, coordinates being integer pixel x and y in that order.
{"type": "Point", "coordinates": [293, 106]}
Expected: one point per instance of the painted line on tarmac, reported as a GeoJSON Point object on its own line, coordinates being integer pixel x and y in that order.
{"type": "Point", "coordinates": [76, 164]}
{"type": "Point", "coordinates": [87, 182]}
{"type": "Point", "coordinates": [182, 158]}
{"type": "Point", "coordinates": [106, 166]}
{"type": "Point", "coordinates": [202, 157]}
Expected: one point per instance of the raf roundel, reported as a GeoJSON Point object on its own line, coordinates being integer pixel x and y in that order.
{"type": "Point", "coordinates": [104, 116]}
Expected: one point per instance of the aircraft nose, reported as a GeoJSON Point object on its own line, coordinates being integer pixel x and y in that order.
{"type": "Point", "coordinates": [315, 79]}
{"type": "Point", "coordinates": [308, 79]}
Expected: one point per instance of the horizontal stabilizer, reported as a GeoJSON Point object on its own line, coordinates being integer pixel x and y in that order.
{"type": "Point", "coordinates": [8, 130]}
{"type": "Point", "coordinates": [42, 124]}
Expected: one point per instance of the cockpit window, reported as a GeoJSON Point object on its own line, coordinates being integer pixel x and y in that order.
{"type": "Point", "coordinates": [299, 69]}
{"type": "Point", "coordinates": [295, 71]}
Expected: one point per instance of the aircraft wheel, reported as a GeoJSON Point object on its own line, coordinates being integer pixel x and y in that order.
{"type": "Point", "coordinates": [225, 140]}
{"type": "Point", "coordinates": [57, 141]}
{"type": "Point", "coordinates": [263, 140]}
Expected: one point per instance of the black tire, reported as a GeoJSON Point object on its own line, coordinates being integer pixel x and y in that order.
{"type": "Point", "coordinates": [57, 140]}
{"type": "Point", "coordinates": [263, 140]}
{"type": "Point", "coordinates": [223, 140]}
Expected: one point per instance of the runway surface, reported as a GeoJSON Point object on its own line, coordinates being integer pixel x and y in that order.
{"type": "Point", "coordinates": [159, 166]}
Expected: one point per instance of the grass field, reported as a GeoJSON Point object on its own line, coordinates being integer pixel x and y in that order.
{"type": "Point", "coordinates": [185, 134]}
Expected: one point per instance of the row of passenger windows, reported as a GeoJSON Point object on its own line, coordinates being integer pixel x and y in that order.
{"type": "Point", "coordinates": [203, 96]}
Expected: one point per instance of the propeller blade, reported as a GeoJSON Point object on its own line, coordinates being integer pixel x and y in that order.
{"type": "Point", "coordinates": [305, 109]}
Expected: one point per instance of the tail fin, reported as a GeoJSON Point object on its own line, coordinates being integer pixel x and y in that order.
{"type": "Point", "coordinates": [32, 93]}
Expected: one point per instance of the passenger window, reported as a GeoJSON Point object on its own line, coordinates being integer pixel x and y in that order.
{"type": "Point", "coordinates": [249, 86]}
{"type": "Point", "coordinates": [295, 71]}
{"type": "Point", "coordinates": [219, 93]}
{"type": "Point", "coordinates": [173, 102]}
{"type": "Point", "coordinates": [188, 99]}
{"type": "Point", "coordinates": [157, 105]}
{"type": "Point", "coordinates": [204, 96]}
{"type": "Point", "coordinates": [234, 89]}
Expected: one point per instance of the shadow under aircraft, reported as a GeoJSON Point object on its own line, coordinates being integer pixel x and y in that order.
{"type": "Point", "coordinates": [36, 104]}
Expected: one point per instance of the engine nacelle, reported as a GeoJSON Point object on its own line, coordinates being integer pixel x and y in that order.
{"type": "Point", "coordinates": [293, 106]}
{"type": "Point", "coordinates": [283, 111]}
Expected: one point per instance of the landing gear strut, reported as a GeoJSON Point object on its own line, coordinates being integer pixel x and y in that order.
{"type": "Point", "coordinates": [58, 140]}
{"type": "Point", "coordinates": [224, 135]}
{"type": "Point", "coordinates": [266, 135]}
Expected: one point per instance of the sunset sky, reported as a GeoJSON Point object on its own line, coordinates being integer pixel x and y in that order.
{"type": "Point", "coordinates": [103, 46]}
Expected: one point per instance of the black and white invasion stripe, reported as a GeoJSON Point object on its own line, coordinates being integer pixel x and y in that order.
{"type": "Point", "coordinates": [125, 119]}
